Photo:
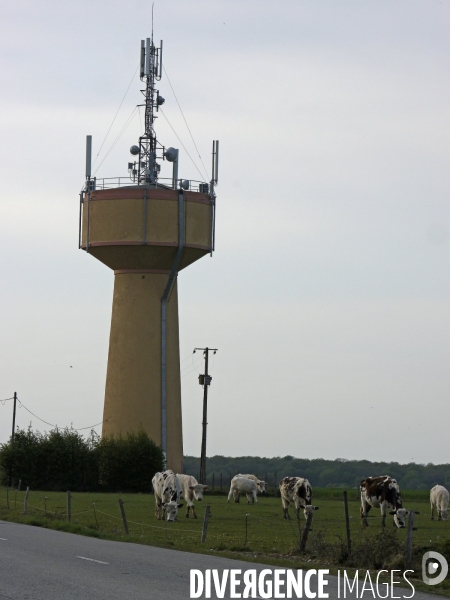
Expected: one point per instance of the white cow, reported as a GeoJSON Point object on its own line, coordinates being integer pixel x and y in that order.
{"type": "Point", "coordinates": [261, 485]}
{"type": "Point", "coordinates": [241, 485]}
{"type": "Point", "coordinates": [191, 489]}
{"type": "Point", "coordinates": [167, 490]}
{"type": "Point", "coordinates": [439, 501]}
{"type": "Point", "coordinates": [259, 482]}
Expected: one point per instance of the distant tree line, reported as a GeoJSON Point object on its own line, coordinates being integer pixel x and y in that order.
{"type": "Point", "coordinates": [324, 473]}
{"type": "Point", "coordinates": [62, 460]}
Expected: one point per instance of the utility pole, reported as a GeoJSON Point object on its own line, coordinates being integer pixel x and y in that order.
{"type": "Point", "coordinates": [12, 438]}
{"type": "Point", "coordinates": [205, 381]}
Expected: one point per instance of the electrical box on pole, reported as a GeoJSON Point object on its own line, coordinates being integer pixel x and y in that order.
{"type": "Point", "coordinates": [205, 381]}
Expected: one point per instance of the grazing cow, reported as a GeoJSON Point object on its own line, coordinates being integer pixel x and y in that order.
{"type": "Point", "coordinates": [299, 491]}
{"type": "Point", "coordinates": [167, 490]}
{"type": "Point", "coordinates": [439, 501]}
{"type": "Point", "coordinates": [382, 492]}
{"type": "Point", "coordinates": [241, 485]}
{"type": "Point", "coordinates": [261, 485]}
{"type": "Point", "coordinates": [191, 489]}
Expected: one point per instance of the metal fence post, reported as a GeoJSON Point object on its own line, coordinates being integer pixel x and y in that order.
{"type": "Point", "coordinates": [124, 519]}
{"type": "Point", "coordinates": [246, 528]}
{"type": "Point", "coordinates": [69, 507]}
{"type": "Point", "coordinates": [25, 501]}
{"type": "Point", "coordinates": [347, 524]}
{"type": "Point", "coordinates": [95, 514]}
{"type": "Point", "coordinates": [205, 523]}
{"type": "Point", "coordinates": [409, 540]}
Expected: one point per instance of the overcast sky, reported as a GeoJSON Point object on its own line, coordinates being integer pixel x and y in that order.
{"type": "Point", "coordinates": [328, 295]}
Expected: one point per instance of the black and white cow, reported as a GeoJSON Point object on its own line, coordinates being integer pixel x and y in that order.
{"type": "Point", "coordinates": [382, 492]}
{"type": "Point", "coordinates": [299, 491]}
{"type": "Point", "coordinates": [191, 489]}
{"type": "Point", "coordinates": [167, 490]}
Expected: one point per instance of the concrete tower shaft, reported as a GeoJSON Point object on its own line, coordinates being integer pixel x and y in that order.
{"type": "Point", "coordinates": [135, 232]}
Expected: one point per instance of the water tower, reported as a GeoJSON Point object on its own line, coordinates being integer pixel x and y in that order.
{"type": "Point", "coordinates": [147, 228]}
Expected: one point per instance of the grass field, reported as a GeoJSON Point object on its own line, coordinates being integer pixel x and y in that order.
{"type": "Point", "coordinates": [268, 539]}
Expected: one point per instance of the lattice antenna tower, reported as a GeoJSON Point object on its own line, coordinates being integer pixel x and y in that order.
{"type": "Point", "coordinates": [149, 149]}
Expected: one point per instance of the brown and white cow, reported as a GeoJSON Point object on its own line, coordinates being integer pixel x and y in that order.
{"type": "Point", "coordinates": [167, 490]}
{"type": "Point", "coordinates": [439, 501]}
{"type": "Point", "coordinates": [299, 491]}
{"type": "Point", "coordinates": [191, 489]}
{"type": "Point", "coordinates": [382, 492]}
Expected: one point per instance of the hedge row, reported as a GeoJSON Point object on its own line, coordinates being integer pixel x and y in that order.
{"type": "Point", "coordinates": [65, 460]}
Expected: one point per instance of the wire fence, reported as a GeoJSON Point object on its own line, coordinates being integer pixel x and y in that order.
{"type": "Point", "coordinates": [254, 529]}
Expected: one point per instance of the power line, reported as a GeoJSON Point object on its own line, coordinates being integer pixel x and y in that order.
{"type": "Point", "coordinates": [22, 405]}
{"type": "Point", "coordinates": [191, 365]}
{"type": "Point", "coordinates": [182, 114]}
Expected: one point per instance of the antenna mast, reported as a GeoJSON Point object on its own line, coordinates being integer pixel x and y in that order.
{"type": "Point", "coordinates": [150, 71]}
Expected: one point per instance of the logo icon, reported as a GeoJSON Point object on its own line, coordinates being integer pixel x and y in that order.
{"type": "Point", "coordinates": [431, 562]}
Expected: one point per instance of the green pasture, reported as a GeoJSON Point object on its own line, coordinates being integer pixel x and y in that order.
{"type": "Point", "coordinates": [254, 532]}
{"type": "Point", "coordinates": [267, 532]}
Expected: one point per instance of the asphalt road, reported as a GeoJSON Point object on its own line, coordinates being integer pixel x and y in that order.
{"type": "Point", "coordinates": [40, 564]}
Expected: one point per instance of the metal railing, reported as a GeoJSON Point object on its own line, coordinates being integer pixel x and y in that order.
{"type": "Point", "coordinates": [106, 183]}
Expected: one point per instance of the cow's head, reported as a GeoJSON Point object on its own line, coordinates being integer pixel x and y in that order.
{"type": "Point", "coordinates": [198, 490]}
{"type": "Point", "coordinates": [444, 515]}
{"type": "Point", "coordinates": [261, 485]}
{"type": "Point", "coordinates": [399, 517]}
{"type": "Point", "coordinates": [171, 510]}
{"type": "Point", "coordinates": [309, 510]}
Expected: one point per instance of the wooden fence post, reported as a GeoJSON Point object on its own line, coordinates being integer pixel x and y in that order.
{"type": "Point", "coordinates": [409, 540]}
{"type": "Point", "coordinates": [205, 523]}
{"type": "Point", "coordinates": [25, 501]}
{"type": "Point", "coordinates": [124, 519]}
{"type": "Point", "coordinates": [347, 524]}
{"type": "Point", "coordinates": [305, 532]}
{"type": "Point", "coordinates": [213, 482]}
{"type": "Point", "coordinates": [69, 507]}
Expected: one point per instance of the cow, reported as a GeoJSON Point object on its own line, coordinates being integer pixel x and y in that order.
{"type": "Point", "coordinates": [241, 485]}
{"type": "Point", "coordinates": [299, 491]}
{"type": "Point", "coordinates": [261, 485]}
{"type": "Point", "coordinates": [382, 492]}
{"type": "Point", "coordinates": [191, 489]}
{"type": "Point", "coordinates": [167, 490]}
{"type": "Point", "coordinates": [439, 501]}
